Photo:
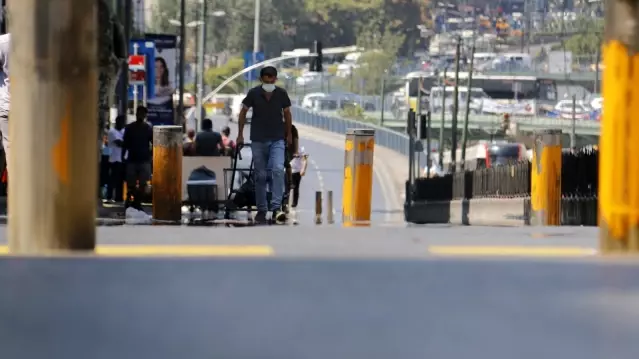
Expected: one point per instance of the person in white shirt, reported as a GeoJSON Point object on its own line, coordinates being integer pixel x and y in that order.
{"type": "Point", "coordinates": [298, 170]}
{"type": "Point", "coordinates": [116, 166]}
{"type": "Point", "coordinates": [5, 98]}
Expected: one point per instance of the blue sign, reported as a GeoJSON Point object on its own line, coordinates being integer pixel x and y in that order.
{"type": "Point", "coordinates": [146, 48]}
{"type": "Point", "coordinates": [248, 61]}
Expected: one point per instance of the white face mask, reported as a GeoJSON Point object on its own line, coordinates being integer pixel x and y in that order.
{"type": "Point", "coordinates": [268, 87]}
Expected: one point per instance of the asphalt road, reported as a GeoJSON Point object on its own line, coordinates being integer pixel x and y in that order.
{"type": "Point", "coordinates": [317, 308]}
{"type": "Point", "coordinates": [324, 173]}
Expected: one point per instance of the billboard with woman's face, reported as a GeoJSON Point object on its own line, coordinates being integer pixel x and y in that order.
{"type": "Point", "coordinates": [160, 103]}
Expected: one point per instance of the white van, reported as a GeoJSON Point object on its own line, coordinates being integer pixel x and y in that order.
{"type": "Point", "coordinates": [236, 106]}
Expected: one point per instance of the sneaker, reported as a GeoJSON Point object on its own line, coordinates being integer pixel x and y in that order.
{"type": "Point", "coordinates": [260, 218]}
{"type": "Point", "coordinates": [279, 217]}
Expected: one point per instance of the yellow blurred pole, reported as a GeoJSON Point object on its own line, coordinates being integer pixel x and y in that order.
{"type": "Point", "coordinates": [54, 115]}
{"type": "Point", "coordinates": [357, 190]}
{"type": "Point", "coordinates": [618, 166]}
{"type": "Point", "coordinates": [167, 173]}
{"type": "Point", "coordinates": [545, 179]}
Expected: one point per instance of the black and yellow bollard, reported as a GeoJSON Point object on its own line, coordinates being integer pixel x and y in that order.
{"type": "Point", "coordinates": [167, 173]}
{"type": "Point", "coordinates": [546, 179]}
{"type": "Point", "coordinates": [357, 190]}
{"type": "Point", "coordinates": [618, 166]}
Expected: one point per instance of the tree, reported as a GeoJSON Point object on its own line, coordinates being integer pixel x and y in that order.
{"type": "Point", "coordinates": [588, 38]}
{"type": "Point", "coordinates": [380, 44]}
{"type": "Point", "coordinates": [215, 76]}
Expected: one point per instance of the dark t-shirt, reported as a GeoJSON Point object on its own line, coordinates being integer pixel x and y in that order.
{"type": "Point", "coordinates": [138, 137]}
{"type": "Point", "coordinates": [208, 143]}
{"type": "Point", "coordinates": [267, 123]}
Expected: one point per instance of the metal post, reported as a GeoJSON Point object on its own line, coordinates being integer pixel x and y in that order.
{"type": "Point", "coordinates": [618, 183]}
{"type": "Point", "coordinates": [199, 112]}
{"type": "Point", "coordinates": [467, 114]}
{"type": "Point", "coordinates": [381, 120]}
{"type": "Point", "coordinates": [573, 128]}
{"type": "Point", "coordinates": [167, 173]}
{"type": "Point", "coordinates": [418, 119]}
{"type": "Point", "coordinates": [597, 70]}
{"type": "Point", "coordinates": [52, 201]}
{"type": "Point", "coordinates": [410, 122]}
{"type": "Point", "coordinates": [545, 179]}
{"type": "Point", "coordinates": [357, 190]}
{"type": "Point", "coordinates": [180, 111]}
{"type": "Point", "coordinates": [329, 208]}
{"type": "Point", "coordinates": [442, 127]}
{"type": "Point", "coordinates": [429, 151]}
{"type": "Point", "coordinates": [318, 207]}
{"type": "Point", "coordinates": [135, 87]}
{"type": "Point", "coordinates": [256, 37]}
{"type": "Point", "coordinates": [126, 14]}
{"type": "Point", "coordinates": [453, 150]}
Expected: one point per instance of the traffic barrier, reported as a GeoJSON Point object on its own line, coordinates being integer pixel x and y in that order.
{"type": "Point", "coordinates": [167, 173]}
{"type": "Point", "coordinates": [546, 179]}
{"type": "Point", "coordinates": [357, 191]}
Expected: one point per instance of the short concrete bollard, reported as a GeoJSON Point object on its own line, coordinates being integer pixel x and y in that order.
{"type": "Point", "coordinates": [329, 207]}
{"type": "Point", "coordinates": [318, 207]}
{"type": "Point", "coordinates": [167, 173]}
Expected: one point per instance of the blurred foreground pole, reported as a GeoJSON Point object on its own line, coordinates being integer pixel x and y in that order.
{"type": "Point", "coordinates": [618, 167]}
{"type": "Point", "coordinates": [54, 68]}
{"type": "Point", "coordinates": [167, 173]}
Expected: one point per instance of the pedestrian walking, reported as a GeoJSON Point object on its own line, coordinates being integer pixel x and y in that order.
{"type": "Point", "coordinates": [116, 164]}
{"type": "Point", "coordinates": [5, 98]}
{"type": "Point", "coordinates": [271, 132]}
{"type": "Point", "coordinates": [137, 155]}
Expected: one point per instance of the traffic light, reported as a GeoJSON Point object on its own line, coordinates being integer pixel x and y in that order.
{"type": "Point", "coordinates": [411, 126]}
{"type": "Point", "coordinates": [316, 62]}
{"type": "Point", "coordinates": [423, 122]}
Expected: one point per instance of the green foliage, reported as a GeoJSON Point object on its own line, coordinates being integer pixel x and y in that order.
{"type": "Point", "coordinates": [380, 43]}
{"type": "Point", "coordinates": [215, 76]}
{"type": "Point", "coordinates": [353, 112]}
{"type": "Point", "coordinates": [588, 38]}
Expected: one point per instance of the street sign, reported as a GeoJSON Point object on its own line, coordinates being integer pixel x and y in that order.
{"type": "Point", "coordinates": [248, 61]}
{"type": "Point", "coordinates": [137, 70]}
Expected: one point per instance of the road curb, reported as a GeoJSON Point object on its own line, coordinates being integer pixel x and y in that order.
{"type": "Point", "coordinates": [101, 222]}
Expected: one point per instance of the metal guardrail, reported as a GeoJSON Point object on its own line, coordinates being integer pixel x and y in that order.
{"type": "Point", "coordinates": [384, 137]}
{"type": "Point", "coordinates": [488, 122]}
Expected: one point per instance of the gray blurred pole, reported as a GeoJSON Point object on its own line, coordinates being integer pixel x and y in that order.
{"type": "Point", "coordinates": [597, 71]}
{"type": "Point", "coordinates": [467, 114]}
{"type": "Point", "coordinates": [418, 118]}
{"type": "Point", "coordinates": [180, 111]}
{"type": "Point", "coordinates": [453, 151]}
{"type": "Point", "coordinates": [573, 128]}
{"type": "Point", "coordinates": [429, 160]}
{"type": "Point", "coordinates": [256, 38]}
{"type": "Point", "coordinates": [200, 66]}
{"type": "Point", "coordinates": [125, 14]}
{"type": "Point", "coordinates": [443, 123]}
{"type": "Point", "coordinates": [52, 202]}
{"type": "Point", "coordinates": [381, 120]}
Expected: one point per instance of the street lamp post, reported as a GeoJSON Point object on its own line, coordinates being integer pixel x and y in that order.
{"type": "Point", "coordinates": [180, 111]}
{"type": "Point", "coordinates": [256, 33]}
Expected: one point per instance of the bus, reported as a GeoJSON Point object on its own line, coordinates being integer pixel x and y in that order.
{"type": "Point", "coordinates": [415, 81]}
{"type": "Point", "coordinates": [515, 94]}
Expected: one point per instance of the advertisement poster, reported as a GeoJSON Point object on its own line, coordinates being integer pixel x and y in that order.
{"type": "Point", "coordinates": [146, 49]}
{"type": "Point", "coordinates": [160, 102]}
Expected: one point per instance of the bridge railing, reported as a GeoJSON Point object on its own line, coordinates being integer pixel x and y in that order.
{"type": "Point", "coordinates": [384, 137]}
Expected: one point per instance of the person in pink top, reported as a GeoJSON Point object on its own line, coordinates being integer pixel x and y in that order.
{"type": "Point", "coordinates": [226, 139]}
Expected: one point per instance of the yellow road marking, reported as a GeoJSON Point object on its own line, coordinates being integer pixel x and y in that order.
{"type": "Point", "coordinates": [503, 251]}
{"type": "Point", "coordinates": [173, 251]}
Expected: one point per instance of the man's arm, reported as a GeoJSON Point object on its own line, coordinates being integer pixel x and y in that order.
{"type": "Point", "coordinates": [126, 142]}
{"type": "Point", "coordinates": [288, 119]}
{"type": "Point", "coordinates": [113, 138]}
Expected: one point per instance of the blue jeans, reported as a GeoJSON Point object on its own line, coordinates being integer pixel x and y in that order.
{"type": "Point", "coordinates": [268, 159]}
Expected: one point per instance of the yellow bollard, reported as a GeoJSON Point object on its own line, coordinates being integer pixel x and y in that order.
{"type": "Point", "coordinates": [545, 179]}
{"type": "Point", "coordinates": [167, 173]}
{"type": "Point", "coordinates": [357, 190]}
{"type": "Point", "coordinates": [618, 166]}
